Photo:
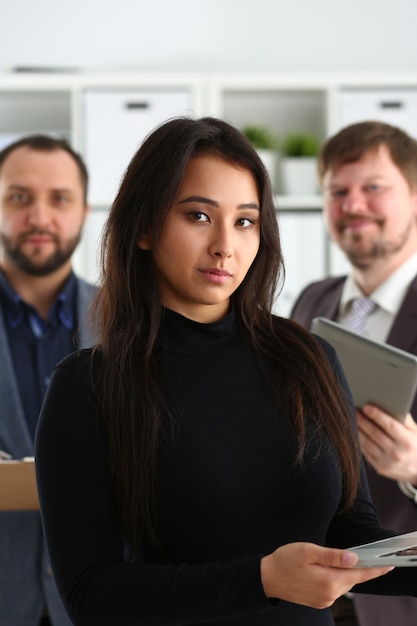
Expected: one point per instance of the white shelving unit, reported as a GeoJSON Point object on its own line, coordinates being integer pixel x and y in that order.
{"type": "Point", "coordinates": [62, 104]}
{"type": "Point", "coordinates": [73, 104]}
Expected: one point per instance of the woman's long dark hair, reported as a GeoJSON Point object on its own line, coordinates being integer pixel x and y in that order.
{"type": "Point", "coordinates": [130, 314]}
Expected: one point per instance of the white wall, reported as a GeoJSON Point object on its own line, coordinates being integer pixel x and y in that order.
{"type": "Point", "coordinates": [193, 35]}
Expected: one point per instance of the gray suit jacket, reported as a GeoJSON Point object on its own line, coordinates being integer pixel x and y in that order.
{"type": "Point", "coordinates": [395, 510]}
{"type": "Point", "coordinates": [26, 580]}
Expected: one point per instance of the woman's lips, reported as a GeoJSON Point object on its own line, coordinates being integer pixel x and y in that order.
{"type": "Point", "coordinates": [216, 275]}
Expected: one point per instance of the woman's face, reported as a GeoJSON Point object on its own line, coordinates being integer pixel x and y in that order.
{"type": "Point", "coordinates": [209, 239]}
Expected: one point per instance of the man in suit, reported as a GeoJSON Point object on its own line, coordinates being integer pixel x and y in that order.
{"type": "Point", "coordinates": [368, 176]}
{"type": "Point", "coordinates": [43, 311]}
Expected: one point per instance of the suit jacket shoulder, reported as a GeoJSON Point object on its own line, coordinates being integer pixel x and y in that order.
{"type": "Point", "coordinates": [319, 299]}
{"type": "Point", "coordinates": [403, 333]}
{"type": "Point", "coordinates": [86, 335]}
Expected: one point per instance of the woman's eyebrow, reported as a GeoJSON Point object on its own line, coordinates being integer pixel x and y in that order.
{"type": "Point", "coordinates": [209, 201]}
{"type": "Point", "coordinates": [201, 199]}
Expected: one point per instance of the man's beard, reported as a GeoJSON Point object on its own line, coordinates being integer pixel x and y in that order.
{"type": "Point", "coordinates": [26, 264]}
{"type": "Point", "coordinates": [378, 249]}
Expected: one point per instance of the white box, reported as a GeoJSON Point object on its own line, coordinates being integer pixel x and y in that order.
{"type": "Point", "coordinates": [116, 123]}
{"type": "Point", "coordinates": [393, 106]}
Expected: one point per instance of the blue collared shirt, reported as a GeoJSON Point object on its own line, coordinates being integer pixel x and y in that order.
{"type": "Point", "coordinates": [36, 344]}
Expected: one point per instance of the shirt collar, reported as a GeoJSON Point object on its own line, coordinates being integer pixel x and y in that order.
{"type": "Point", "coordinates": [390, 294]}
{"type": "Point", "coordinates": [65, 304]}
{"type": "Point", "coordinates": [62, 311]}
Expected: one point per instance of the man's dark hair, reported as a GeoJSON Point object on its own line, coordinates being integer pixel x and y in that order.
{"type": "Point", "coordinates": [47, 143]}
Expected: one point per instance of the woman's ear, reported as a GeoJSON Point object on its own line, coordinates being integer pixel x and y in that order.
{"type": "Point", "coordinates": [145, 241]}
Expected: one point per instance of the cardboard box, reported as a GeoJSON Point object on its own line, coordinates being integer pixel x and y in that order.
{"type": "Point", "coordinates": [18, 491]}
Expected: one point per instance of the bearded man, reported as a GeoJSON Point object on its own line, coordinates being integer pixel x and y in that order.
{"type": "Point", "coordinates": [368, 177]}
{"type": "Point", "coordinates": [43, 317]}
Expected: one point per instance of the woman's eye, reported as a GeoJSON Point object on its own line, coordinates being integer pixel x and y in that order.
{"type": "Point", "coordinates": [198, 216]}
{"type": "Point", "coordinates": [246, 222]}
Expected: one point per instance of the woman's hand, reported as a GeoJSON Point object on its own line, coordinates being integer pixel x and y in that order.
{"type": "Point", "coordinates": [389, 445]}
{"type": "Point", "coordinates": [311, 575]}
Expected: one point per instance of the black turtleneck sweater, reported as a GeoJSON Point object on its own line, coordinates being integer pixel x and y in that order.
{"type": "Point", "coordinates": [227, 493]}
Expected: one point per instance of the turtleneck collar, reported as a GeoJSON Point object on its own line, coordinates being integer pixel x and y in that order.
{"type": "Point", "coordinates": [186, 336]}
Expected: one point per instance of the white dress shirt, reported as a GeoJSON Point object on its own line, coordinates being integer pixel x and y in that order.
{"type": "Point", "coordinates": [388, 297]}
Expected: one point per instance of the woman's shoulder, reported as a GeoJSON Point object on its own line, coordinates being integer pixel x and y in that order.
{"type": "Point", "coordinates": [82, 369]}
{"type": "Point", "coordinates": [308, 339]}
{"type": "Point", "coordinates": [82, 361]}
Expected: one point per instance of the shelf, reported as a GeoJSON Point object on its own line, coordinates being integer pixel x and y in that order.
{"type": "Point", "coordinates": [298, 203]}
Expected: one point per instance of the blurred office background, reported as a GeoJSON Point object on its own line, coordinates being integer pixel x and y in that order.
{"type": "Point", "coordinates": [105, 73]}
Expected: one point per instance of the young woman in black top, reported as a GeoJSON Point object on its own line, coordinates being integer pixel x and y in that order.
{"type": "Point", "coordinates": [200, 464]}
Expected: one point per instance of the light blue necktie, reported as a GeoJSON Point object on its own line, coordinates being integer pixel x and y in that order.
{"type": "Point", "coordinates": [361, 308]}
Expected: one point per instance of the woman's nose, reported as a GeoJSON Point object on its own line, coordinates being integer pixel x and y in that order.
{"type": "Point", "coordinates": [221, 245]}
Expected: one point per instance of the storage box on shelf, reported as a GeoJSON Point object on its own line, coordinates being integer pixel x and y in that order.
{"type": "Point", "coordinates": [396, 106]}
{"type": "Point", "coordinates": [115, 123]}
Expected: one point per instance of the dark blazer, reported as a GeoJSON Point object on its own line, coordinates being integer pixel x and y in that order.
{"type": "Point", "coordinates": [25, 574]}
{"type": "Point", "coordinates": [395, 510]}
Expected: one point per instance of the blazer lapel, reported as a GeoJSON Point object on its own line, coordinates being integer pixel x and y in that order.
{"type": "Point", "coordinates": [14, 433]}
{"type": "Point", "coordinates": [331, 308]}
{"type": "Point", "coordinates": [15, 437]}
{"type": "Point", "coordinates": [85, 334]}
{"type": "Point", "coordinates": [403, 333]}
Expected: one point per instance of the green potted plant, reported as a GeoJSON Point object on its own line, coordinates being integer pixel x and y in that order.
{"type": "Point", "coordinates": [266, 144]}
{"type": "Point", "coordinates": [260, 136]}
{"type": "Point", "coordinates": [299, 152]}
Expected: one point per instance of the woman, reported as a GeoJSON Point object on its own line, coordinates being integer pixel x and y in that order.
{"type": "Point", "coordinates": [195, 464]}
